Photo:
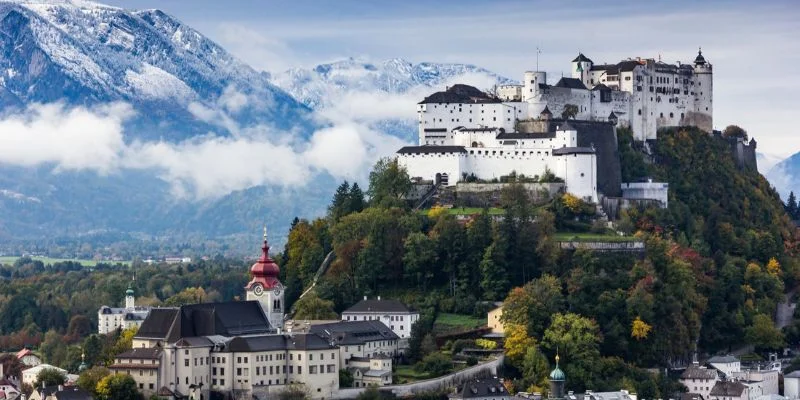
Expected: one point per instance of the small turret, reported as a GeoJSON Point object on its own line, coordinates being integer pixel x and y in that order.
{"type": "Point", "coordinates": [129, 299]}
{"type": "Point", "coordinates": [557, 379]}
{"type": "Point", "coordinates": [581, 66]}
{"type": "Point", "coordinates": [699, 60]}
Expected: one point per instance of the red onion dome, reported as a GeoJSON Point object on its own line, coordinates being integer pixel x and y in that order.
{"type": "Point", "coordinates": [265, 271]}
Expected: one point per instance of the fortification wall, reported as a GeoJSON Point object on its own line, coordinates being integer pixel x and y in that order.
{"type": "Point", "coordinates": [488, 194]}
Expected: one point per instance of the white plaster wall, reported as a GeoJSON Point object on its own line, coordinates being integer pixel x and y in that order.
{"type": "Point", "coordinates": [791, 388]}
{"type": "Point", "coordinates": [399, 323]}
{"type": "Point", "coordinates": [530, 84]}
{"type": "Point", "coordinates": [452, 115]}
{"type": "Point", "coordinates": [428, 165]}
{"type": "Point", "coordinates": [579, 174]}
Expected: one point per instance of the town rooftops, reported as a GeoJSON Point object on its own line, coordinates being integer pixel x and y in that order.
{"type": "Point", "coordinates": [460, 94]}
{"type": "Point", "coordinates": [728, 389]}
{"type": "Point", "coordinates": [482, 388]}
{"type": "Point", "coordinates": [232, 318]}
{"type": "Point", "coordinates": [23, 353]}
{"type": "Point", "coordinates": [696, 372]}
{"type": "Point", "coordinates": [723, 359]}
{"type": "Point", "coordinates": [379, 305]}
{"type": "Point", "coordinates": [619, 395]}
{"type": "Point", "coordinates": [428, 149]}
{"type": "Point", "coordinates": [354, 332]}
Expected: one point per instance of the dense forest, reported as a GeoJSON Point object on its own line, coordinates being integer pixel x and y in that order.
{"type": "Point", "coordinates": [718, 262]}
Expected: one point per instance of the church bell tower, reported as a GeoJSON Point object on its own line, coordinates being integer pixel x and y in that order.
{"type": "Point", "coordinates": [265, 288]}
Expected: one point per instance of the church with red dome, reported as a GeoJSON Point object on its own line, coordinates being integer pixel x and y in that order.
{"type": "Point", "coordinates": [265, 287]}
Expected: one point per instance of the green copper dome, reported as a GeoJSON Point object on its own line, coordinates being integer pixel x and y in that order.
{"type": "Point", "coordinates": [557, 374]}
{"type": "Point", "coordinates": [129, 292]}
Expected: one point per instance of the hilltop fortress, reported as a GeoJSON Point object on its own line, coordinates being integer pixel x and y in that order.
{"type": "Point", "coordinates": [568, 129]}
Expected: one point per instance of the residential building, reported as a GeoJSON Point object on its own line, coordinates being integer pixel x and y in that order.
{"type": "Point", "coordinates": [371, 371]}
{"type": "Point", "coordinates": [110, 319]}
{"type": "Point", "coordinates": [729, 390]}
{"type": "Point", "coordinates": [791, 385]}
{"type": "Point", "coordinates": [7, 388]}
{"type": "Point", "coordinates": [494, 319]}
{"type": "Point", "coordinates": [699, 380]}
{"type": "Point", "coordinates": [142, 364]}
{"type": "Point", "coordinates": [365, 339]}
{"type": "Point", "coordinates": [28, 358]}
{"type": "Point", "coordinates": [726, 364]}
{"type": "Point", "coordinates": [60, 393]}
{"type": "Point", "coordinates": [394, 314]}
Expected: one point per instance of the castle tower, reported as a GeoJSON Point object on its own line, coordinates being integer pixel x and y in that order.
{"type": "Point", "coordinates": [265, 287]}
{"type": "Point", "coordinates": [581, 66]}
{"type": "Point", "coordinates": [704, 91]}
{"type": "Point", "coordinates": [557, 379]}
{"type": "Point", "coordinates": [530, 84]}
{"type": "Point", "coordinates": [129, 299]}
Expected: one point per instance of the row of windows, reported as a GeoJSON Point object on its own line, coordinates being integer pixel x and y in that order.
{"type": "Point", "coordinates": [375, 317]}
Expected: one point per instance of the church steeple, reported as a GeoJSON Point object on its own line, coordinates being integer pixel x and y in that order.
{"type": "Point", "coordinates": [265, 287]}
{"type": "Point", "coordinates": [557, 379]}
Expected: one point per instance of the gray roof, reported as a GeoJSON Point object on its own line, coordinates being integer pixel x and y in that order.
{"type": "Point", "coordinates": [728, 389]}
{"type": "Point", "coordinates": [376, 373]}
{"type": "Point", "coordinates": [354, 332]}
{"type": "Point", "coordinates": [723, 359]}
{"type": "Point", "coordinates": [607, 396]}
{"type": "Point", "coordinates": [571, 83]}
{"type": "Point", "coordinates": [73, 393]}
{"type": "Point", "coordinates": [526, 135]}
{"type": "Point", "coordinates": [460, 94]}
{"type": "Point", "coordinates": [143, 353]}
{"type": "Point", "coordinates": [232, 318]}
{"type": "Point", "coordinates": [431, 149]}
{"type": "Point", "coordinates": [482, 388]}
{"type": "Point", "coordinates": [307, 341]}
{"type": "Point", "coordinates": [381, 306]}
{"type": "Point", "coordinates": [795, 374]}
{"type": "Point", "coordinates": [695, 372]}
{"type": "Point", "coordinates": [581, 57]}
{"type": "Point", "coordinates": [572, 150]}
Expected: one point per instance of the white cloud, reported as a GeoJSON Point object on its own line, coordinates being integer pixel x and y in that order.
{"type": "Point", "coordinates": [233, 100]}
{"type": "Point", "coordinates": [71, 139]}
{"type": "Point", "coordinates": [203, 167]}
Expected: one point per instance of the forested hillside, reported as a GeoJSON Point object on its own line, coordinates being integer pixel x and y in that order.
{"type": "Point", "coordinates": [717, 263]}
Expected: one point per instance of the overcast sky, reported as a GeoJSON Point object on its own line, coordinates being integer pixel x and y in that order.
{"type": "Point", "coordinates": [754, 46]}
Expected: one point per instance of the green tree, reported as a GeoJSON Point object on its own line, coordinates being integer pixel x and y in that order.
{"type": "Point", "coordinates": [573, 336]}
{"type": "Point", "coordinates": [419, 259]}
{"type": "Point", "coordinates": [389, 183]}
{"type": "Point", "coordinates": [570, 111]}
{"type": "Point", "coordinates": [494, 281]}
{"type": "Point", "coordinates": [435, 364]}
{"type": "Point", "coordinates": [734, 131]}
{"type": "Point", "coordinates": [345, 378]}
{"type": "Point", "coordinates": [117, 387]}
{"type": "Point", "coordinates": [535, 370]}
{"type": "Point", "coordinates": [791, 207]}
{"type": "Point", "coordinates": [50, 377]}
{"type": "Point", "coordinates": [293, 392]}
{"type": "Point", "coordinates": [312, 307]}
{"type": "Point", "coordinates": [89, 379]}
{"type": "Point", "coordinates": [340, 203]}
{"type": "Point", "coordinates": [533, 304]}
{"type": "Point", "coordinates": [355, 199]}
{"type": "Point", "coordinates": [763, 333]}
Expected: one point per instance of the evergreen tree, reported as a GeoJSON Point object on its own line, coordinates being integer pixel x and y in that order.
{"type": "Point", "coordinates": [494, 281]}
{"type": "Point", "coordinates": [340, 203]}
{"type": "Point", "coordinates": [355, 199]}
{"type": "Point", "coordinates": [791, 207]}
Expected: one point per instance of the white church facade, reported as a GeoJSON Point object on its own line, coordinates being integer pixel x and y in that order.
{"type": "Point", "coordinates": [110, 319]}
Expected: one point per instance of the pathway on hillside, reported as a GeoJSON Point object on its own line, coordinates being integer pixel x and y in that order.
{"type": "Point", "coordinates": [785, 312]}
{"type": "Point", "coordinates": [322, 268]}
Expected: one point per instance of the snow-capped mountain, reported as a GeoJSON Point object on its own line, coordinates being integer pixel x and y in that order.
{"type": "Point", "coordinates": [785, 176]}
{"type": "Point", "coordinates": [202, 122]}
{"type": "Point", "coordinates": [325, 84]}
{"type": "Point", "coordinates": [84, 53]}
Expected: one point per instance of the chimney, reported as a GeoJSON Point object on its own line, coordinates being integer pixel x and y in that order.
{"type": "Point", "coordinates": [60, 388]}
{"type": "Point", "coordinates": [365, 297]}
{"type": "Point", "coordinates": [379, 298]}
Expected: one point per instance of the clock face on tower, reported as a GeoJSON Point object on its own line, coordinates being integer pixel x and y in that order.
{"type": "Point", "coordinates": [277, 289]}
{"type": "Point", "coordinates": [258, 290]}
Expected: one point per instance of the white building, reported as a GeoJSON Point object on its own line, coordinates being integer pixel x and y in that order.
{"type": "Point", "coordinates": [791, 385]}
{"type": "Point", "coordinates": [700, 380]}
{"type": "Point", "coordinates": [394, 314]}
{"type": "Point", "coordinates": [30, 375]}
{"type": "Point", "coordinates": [729, 390]}
{"type": "Point", "coordinates": [492, 153]}
{"type": "Point", "coordinates": [647, 190]}
{"type": "Point", "coordinates": [643, 94]}
{"type": "Point", "coordinates": [110, 319]}
{"type": "Point", "coordinates": [726, 364]}
{"type": "Point", "coordinates": [372, 371]}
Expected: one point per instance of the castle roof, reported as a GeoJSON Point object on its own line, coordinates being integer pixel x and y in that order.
{"type": "Point", "coordinates": [695, 372]}
{"type": "Point", "coordinates": [700, 59]}
{"type": "Point", "coordinates": [571, 83]}
{"type": "Point", "coordinates": [228, 319]}
{"type": "Point", "coordinates": [278, 342]}
{"type": "Point", "coordinates": [460, 93]}
{"type": "Point", "coordinates": [482, 388]}
{"type": "Point", "coordinates": [581, 58]}
{"type": "Point", "coordinates": [728, 389]}
{"type": "Point", "coordinates": [354, 332]}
